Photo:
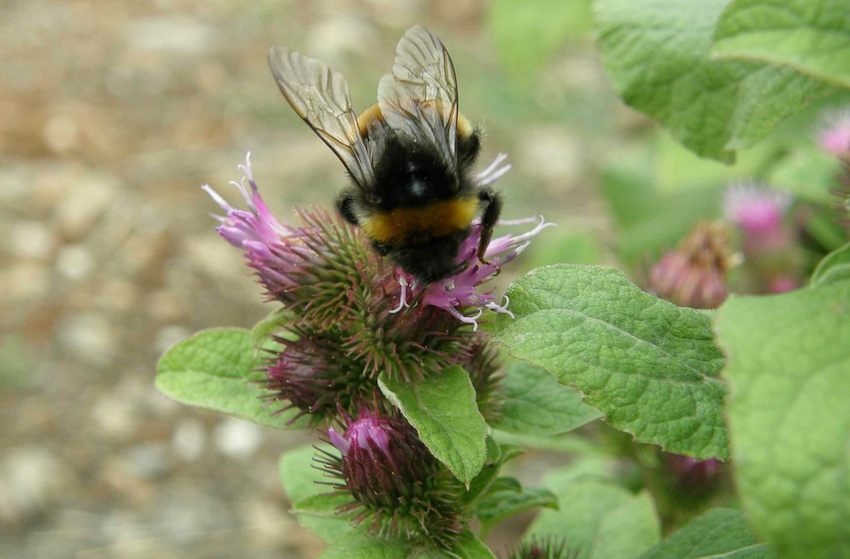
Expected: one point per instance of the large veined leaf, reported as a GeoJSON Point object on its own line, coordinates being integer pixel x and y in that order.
{"type": "Point", "coordinates": [789, 375]}
{"type": "Point", "coordinates": [810, 36]}
{"type": "Point", "coordinates": [649, 365]}
{"type": "Point", "coordinates": [219, 369]}
{"type": "Point", "coordinates": [656, 53]}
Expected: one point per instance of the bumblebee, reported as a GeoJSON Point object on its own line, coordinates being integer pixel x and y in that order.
{"type": "Point", "coordinates": [409, 156]}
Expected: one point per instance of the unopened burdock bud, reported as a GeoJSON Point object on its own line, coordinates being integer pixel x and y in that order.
{"type": "Point", "coordinates": [694, 274]}
{"type": "Point", "coordinates": [397, 487]}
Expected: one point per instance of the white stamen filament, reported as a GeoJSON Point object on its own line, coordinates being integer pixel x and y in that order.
{"type": "Point", "coordinates": [402, 302]}
{"type": "Point", "coordinates": [466, 319]}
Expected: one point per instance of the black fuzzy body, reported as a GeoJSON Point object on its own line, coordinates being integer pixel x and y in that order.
{"type": "Point", "coordinates": [412, 174]}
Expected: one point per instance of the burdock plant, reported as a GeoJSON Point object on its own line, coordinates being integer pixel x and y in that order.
{"type": "Point", "coordinates": [395, 374]}
{"type": "Point", "coordinates": [420, 394]}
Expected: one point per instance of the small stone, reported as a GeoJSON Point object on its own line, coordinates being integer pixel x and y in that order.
{"type": "Point", "coordinates": [188, 440]}
{"type": "Point", "coordinates": [30, 479]}
{"type": "Point", "coordinates": [30, 240]}
{"type": "Point", "coordinates": [60, 133]}
{"type": "Point", "coordinates": [27, 280]}
{"type": "Point", "coordinates": [114, 417]}
{"type": "Point", "coordinates": [90, 337]}
{"type": "Point", "coordinates": [170, 35]}
{"type": "Point", "coordinates": [147, 461]}
{"type": "Point", "coordinates": [333, 37]}
{"type": "Point", "coordinates": [268, 522]}
{"type": "Point", "coordinates": [237, 438]}
{"type": "Point", "coordinates": [168, 336]}
{"type": "Point", "coordinates": [166, 306]}
{"type": "Point", "coordinates": [86, 199]}
{"type": "Point", "coordinates": [213, 257]}
{"type": "Point", "coordinates": [550, 154]}
{"type": "Point", "coordinates": [74, 262]}
{"type": "Point", "coordinates": [119, 294]}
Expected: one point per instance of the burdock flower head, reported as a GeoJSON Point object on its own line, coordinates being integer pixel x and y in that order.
{"type": "Point", "coordinates": [353, 315]}
{"type": "Point", "coordinates": [459, 292]}
{"type": "Point", "coordinates": [694, 274]}
{"type": "Point", "coordinates": [397, 487]}
{"type": "Point", "coordinates": [759, 214]}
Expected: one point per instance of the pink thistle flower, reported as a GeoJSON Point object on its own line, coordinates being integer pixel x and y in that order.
{"type": "Point", "coordinates": [759, 213]}
{"type": "Point", "coordinates": [457, 293]}
{"type": "Point", "coordinates": [272, 249]}
{"type": "Point", "coordinates": [834, 136]}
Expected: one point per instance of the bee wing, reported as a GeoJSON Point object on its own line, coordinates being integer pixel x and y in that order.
{"type": "Point", "coordinates": [419, 99]}
{"type": "Point", "coordinates": [321, 97]}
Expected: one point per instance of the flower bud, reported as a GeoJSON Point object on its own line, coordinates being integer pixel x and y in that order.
{"type": "Point", "coordinates": [692, 475]}
{"type": "Point", "coordinates": [694, 274]}
{"type": "Point", "coordinates": [398, 488]}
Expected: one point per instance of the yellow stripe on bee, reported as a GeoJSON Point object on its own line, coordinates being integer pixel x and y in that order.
{"type": "Point", "coordinates": [464, 127]}
{"type": "Point", "coordinates": [434, 220]}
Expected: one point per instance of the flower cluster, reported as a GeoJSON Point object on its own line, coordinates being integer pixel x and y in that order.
{"type": "Point", "coordinates": [352, 316]}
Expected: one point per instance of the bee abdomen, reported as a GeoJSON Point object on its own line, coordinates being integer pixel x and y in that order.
{"type": "Point", "coordinates": [418, 224]}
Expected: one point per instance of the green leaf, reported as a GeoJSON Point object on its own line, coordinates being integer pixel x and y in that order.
{"type": "Point", "coordinates": [835, 266]}
{"type": "Point", "coordinates": [470, 547]}
{"type": "Point", "coordinates": [569, 443]}
{"type": "Point", "coordinates": [481, 484]}
{"type": "Point", "coordinates": [649, 365]}
{"type": "Point", "coordinates": [810, 36]}
{"type": "Point", "coordinates": [443, 411]}
{"type": "Point", "coordinates": [717, 534]}
{"type": "Point", "coordinates": [508, 500]}
{"type": "Point", "coordinates": [359, 545]}
{"type": "Point", "coordinates": [272, 325]}
{"type": "Point", "coordinates": [601, 521]}
{"type": "Point", "coordinates": [217, 369]}
{"type": "Point", "coordinates": [300, 481]}
{"type": "Point", "coordinates": [537, 405]}
{"type": "Point", "coordinates": [788, 363]}
{"type": "Point", "coordinates": [467, 547]}
{"type": "Point", "coordinates": [808, 173]}
{"type": "Point", "coordinates": [324, 504]}
{"type": "Point", "coordinates": [656, 53]}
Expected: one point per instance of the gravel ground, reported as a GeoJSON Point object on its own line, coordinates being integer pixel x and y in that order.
{"type": "Point", "coordinates": [111, 116]}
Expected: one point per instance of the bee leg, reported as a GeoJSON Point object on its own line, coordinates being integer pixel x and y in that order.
{"type": "Point", "coordinates": [345, 207]}
{"type": "Point", "coordinates": [492, 202]}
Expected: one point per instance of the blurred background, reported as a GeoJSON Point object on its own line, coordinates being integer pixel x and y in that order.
{"type": "Point", "coordinates": [112, 114]}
